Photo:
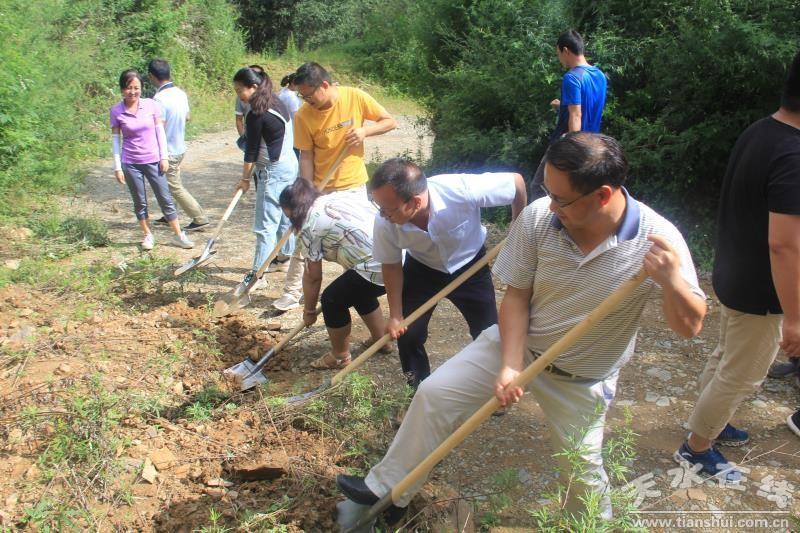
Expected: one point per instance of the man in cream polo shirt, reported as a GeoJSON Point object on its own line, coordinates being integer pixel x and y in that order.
{"type": "Point", "coordinates": [565, 254]}
{"type": "Point", "coordinates": [437, 221]}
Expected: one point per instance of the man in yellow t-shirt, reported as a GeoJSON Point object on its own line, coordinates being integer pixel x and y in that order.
{"type": "Point", "coordinates": [332, 120]}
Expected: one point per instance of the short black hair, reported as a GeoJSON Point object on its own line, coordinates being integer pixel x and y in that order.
{"type": "Point", "coordinates": [159, 68]}
{"type": "Point", "coordinates": [127, 76]}
{"type": "Point", "coordinates": [591, 160]}
{"type": "Point", "coordinates": [790, 96]}
{"type": "Point", "coordinates": [572, 41]}
{"type": "Point", "coordinates": [311, 74]}
{"type": "Point", "coordinates": [404, 176]}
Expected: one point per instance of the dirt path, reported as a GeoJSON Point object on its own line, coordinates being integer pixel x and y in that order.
{"type": "Point", "coordinates": [657, 387]}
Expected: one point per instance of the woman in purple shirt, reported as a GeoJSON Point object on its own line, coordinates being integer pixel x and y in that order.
{"type": "Point", "coordinates": [143, 155]}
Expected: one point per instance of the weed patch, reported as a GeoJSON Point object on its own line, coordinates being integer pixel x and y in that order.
{"type": "Point", "coordinates": [618, 452]}
{"type": "Point", "coordinates": [360, 412]}
{"type": "Point", "coordinates": [204, 403]}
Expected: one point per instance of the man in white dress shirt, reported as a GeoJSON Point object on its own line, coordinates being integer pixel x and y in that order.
{"type": "Point", "coordinates": [437, 221]}
{"type": "Point", "coordinates": [175, 112]}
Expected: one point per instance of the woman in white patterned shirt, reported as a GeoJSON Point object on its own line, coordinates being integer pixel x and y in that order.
{"type": "Point", "coordinates": [336, 227]}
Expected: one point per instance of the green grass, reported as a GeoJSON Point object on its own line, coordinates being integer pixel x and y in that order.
{"type": "Point", "coordinates": [361, 410]}
{"type": "Point", "coordinates": [49, 516]}
{"type": "Point", "coordinates": [204, 403]}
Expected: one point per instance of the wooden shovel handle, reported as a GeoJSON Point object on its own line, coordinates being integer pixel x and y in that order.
{"type": "Point", "coordinates": [289, 336]}
{"type": "Point", "coordinates": [329, 176]}
{"type": "Point", "coordinates": [227, 214]}
{"type": "Point", "coordinates": [286, 235]}
{"type": "Point", "coordinates": [572, 336]}
{"type": "Point", "coordinates": [450, 287]}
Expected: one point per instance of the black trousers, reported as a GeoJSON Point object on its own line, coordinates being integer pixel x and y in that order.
{"type": "Point", "coordinates": [474, 298]}
{"type": "Point", "coordinates": [349, 290]}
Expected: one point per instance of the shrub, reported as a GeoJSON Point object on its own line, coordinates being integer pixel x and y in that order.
{"type": "Point", "coordinates": [685, 78]}
{"type": "Point", "coordinates": [273, 24]}
{"type": "Point", "coordinates": [61, 61]}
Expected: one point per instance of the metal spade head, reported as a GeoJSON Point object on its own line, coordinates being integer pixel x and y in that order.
{"type": "Point", "coordinates": [245, 375]}
{"type": "Point", "coordinates": [233, 301]}
{"type": "Point", "coordinates": [201, 259]}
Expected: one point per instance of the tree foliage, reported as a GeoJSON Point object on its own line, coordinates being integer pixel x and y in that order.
{"type": "Point", "coordinates": [273, 24]}
{"type": "Point", "coordinates": [61, 63]}
{"type": "Point", "coordinates": [685, 78]}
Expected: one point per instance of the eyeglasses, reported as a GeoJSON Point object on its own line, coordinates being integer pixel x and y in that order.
{"type": "Point", "coordinates": [308, 96]}
{"type": "Point", "coordinates": [559, 203]}
{"type": "Point", "coordinates": [386, 213]}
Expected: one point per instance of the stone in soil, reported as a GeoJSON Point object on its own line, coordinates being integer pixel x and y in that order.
{"type": "Point", "coordinates": [659, 373]}
{"type": "Point", "coordinates": [163, 458]}
{"type": "Point", "coordinates": [149, 471]}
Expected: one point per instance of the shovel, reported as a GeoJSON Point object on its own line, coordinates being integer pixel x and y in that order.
{"type": "Point", "coordinates": [240, 296]}
{"type": "Point", "coordinates": [534, 369]}
{"type": "Point", "coordinates": [247, 374]}
{"type": "Point", "coordinates": [407, 321]}
{"type": "Point", "coordinates": [208, 253]}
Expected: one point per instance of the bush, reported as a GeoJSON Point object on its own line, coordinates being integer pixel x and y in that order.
{"type": "Point", "coordinates": [61, 62]}
{"type": "Point", "coordinates": [273, 24]}
{"type": "Point", "coordinates": [686, 78]}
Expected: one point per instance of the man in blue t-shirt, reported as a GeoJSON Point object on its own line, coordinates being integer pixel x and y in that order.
{"type": "Point", "coordinates": [583, 96]}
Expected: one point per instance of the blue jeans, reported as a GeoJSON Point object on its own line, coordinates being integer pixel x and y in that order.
{"type": "Point", "coordinates": [270, 222]}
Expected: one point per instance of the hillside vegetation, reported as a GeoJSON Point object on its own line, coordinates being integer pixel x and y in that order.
{"type": "Point", "coordinates": [61, 63]}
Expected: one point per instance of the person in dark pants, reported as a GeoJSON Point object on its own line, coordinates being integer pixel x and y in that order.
{"type": "Point", "coordinates": [336, 227]}
{"type": "Point", "coordinates": [583, 97]}
{"type": "Point", "coordinates": [437, 221]}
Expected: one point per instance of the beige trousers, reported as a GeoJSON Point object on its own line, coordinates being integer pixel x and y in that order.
{"type": "Point", "coordinates": [293, 285]}
{"type": "Point", "coordinates": [181, 195]}
{"type": "Point", "coordinates": [747, 347]}
{"type": "Point", "coordinates": [575, 410]}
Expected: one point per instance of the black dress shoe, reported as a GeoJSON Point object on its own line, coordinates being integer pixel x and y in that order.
{"type": "Point", "coordinates": [356, 490]}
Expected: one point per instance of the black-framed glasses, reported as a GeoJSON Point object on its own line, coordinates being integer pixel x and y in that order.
{"type": "Point", "coordinates": [386, 212]}
{"type": "Point", "coordinates": [559, 203]}
{"type": "Point", "coordinates": [308, 96]}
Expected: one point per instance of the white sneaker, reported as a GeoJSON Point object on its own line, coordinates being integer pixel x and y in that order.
{"type": "Point", "coordinates": [148, 242]}
{"type": "Point", "coordinates": [182, 241]}
{"type": "Point", "coordinates": [286, 302]}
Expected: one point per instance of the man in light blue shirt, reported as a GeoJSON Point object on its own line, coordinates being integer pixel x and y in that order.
{"type": "Point", "coordinates": [438, 222]}
{"type": "Point", "coordinates": [175, 111]}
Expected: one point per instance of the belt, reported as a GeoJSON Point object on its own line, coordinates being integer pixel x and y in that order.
{"type": "Point", "coordinates": [553, 369]}
{"type": "Point", "coordinates": [558, 372]}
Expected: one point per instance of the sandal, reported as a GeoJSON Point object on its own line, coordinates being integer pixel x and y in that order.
{"type": "Point", "coordinates": [330, 362]}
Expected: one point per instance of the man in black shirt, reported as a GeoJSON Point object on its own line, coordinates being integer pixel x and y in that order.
{"type": "Point", "coordinates": [756, 278]}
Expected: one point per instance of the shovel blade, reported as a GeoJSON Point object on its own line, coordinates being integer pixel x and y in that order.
{"type": "Point", "coordinates": [310, 394]}
{"type": "Point", "coordinates": [242, 376]}
{"type": "Point", "coordinates": [232, 302]}
{"type": "Point", "coordinates": [196, 262]}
